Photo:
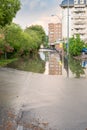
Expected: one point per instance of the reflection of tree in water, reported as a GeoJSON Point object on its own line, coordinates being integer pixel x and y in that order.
{"type": "Point", "coordinates": [75, 67]}
{"type": "Point", "coordinates": [66, 63]}
{"type": "Point", "coordinates": [33, 64]}
{"type": "Point", "coordinates": [47, 56]}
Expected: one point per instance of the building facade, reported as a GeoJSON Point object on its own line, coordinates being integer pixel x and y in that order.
{"type": "Point", "coordinates": [54, 32]}
{"type": "Point", "coordinates": [77, 18]}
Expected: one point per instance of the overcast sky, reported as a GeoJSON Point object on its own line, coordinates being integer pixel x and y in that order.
{"type": "Point", "coordinates": [38, 12]}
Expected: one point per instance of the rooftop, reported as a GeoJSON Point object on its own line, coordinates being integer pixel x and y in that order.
{"type": "Point", "coordinates": [64, 3]}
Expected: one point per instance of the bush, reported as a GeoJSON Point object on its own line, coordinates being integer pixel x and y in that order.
{"type": "Point", "coordinates": [75, 45]}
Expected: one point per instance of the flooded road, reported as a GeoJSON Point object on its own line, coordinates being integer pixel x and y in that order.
{"type": "Point", "coordinates": [30, 101]}
{"type": "Point", "coordinates": [52, 63]}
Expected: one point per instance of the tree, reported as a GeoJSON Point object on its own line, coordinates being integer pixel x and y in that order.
{"type": "Point", "coordinates": [16, 42]}
{"type": "Point", "coordinates": [8, 10]}
{"type": "Point", "coordinates": [36, 40]}
{"type": "Point", "coordinates": [21, 41]}
{"type": "Point", "coordinates": [12, 35]}
{"type": "Point", "coordinates": [75, 45]}
{"type": "Point", "coordinates": [39, 31]}
{"type": "Point", "coordinates": [46, 42]}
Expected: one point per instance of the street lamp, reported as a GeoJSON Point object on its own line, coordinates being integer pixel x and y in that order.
{"type": "Point", "coordinates": [57, 16]}
{"type": "Point", "coordinates": [67, 28]}
{"type": "Point", "coordinates": [67, 25]}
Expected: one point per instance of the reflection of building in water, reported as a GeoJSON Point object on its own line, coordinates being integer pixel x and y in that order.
{"type": "Point", "coordinates": [44, 55]}
{"type": "Point", "coordinates": [84, 65]}
{"type": "Point", "coordinates": [55, 65]}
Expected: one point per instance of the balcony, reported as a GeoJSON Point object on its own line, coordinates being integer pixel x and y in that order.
{"type": "Point", "coordinates": [81, 32]}
{"type": "Point", "coordinates": [79, 10]}
{"type": "Point", "coordinates": [79, 17]}
{"type": "Point", "coordinates": [82, 16]}
{"type": "Point", "coordinates": [80, 26]}
{"type": "Point", "coordinates": [79, 22]}
{"type": "Point", "coordinates": [79, 5]}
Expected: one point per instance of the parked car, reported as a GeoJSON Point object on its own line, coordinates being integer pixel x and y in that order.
{"type": "Point", "coordinates": [84, 50]}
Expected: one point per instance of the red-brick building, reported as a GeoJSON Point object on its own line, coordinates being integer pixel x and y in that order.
{"type": "Point", "coordinates": [54, 32]}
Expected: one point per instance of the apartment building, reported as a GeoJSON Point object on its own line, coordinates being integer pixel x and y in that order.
{"type": "Point", "coordinates": [54, 32]}
{"type": "Point", "coordinates": [77, 18]}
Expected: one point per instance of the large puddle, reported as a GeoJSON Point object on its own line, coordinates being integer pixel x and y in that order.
{"type": "Point", "coordinates": [52, 63]}
{"type": "Point", "coordinates": [47, 101]}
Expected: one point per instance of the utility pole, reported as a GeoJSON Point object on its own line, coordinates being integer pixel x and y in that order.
{"type": "Point", "coordinates": [67, 27]}
{"type": "Point", "coordinates": [67, 38]}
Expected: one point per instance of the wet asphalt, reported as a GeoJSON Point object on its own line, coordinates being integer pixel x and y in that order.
{"type": "Point", "coordinates": [30, 101]}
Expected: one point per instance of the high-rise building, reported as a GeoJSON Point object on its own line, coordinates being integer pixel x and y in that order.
{"type": "Point", "coordinates": [54, 32]}
{"type": "Point", "coordinates": [77, 18]}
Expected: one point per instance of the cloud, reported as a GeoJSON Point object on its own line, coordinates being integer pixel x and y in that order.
{"type": "Point", "coordinates": [37, 4]}
{"type": "Point", "coordinates": [44, 20]}
{"type": "Point", "coordinates": [37, 12]}
{"type": "Point", "coordinates": [24, 2]}
{"type": "Point", "coordinates": [33, 4]}
{"type": "Point", "coordinates": [43, 4]}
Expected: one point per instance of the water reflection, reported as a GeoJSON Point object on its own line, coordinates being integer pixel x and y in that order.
{"type": "Point", "coordinates": [84, 63]}
{"type": "Point", "coordinates": [76, 67]}
{"type": "Point", "coordinates": [55, 64]}
{"type": "Point", "coordinates": [52, 63]}
{"type": "Point", "coordinates": [33, 64]}
{"type": "Point", "coordinates": [66, 65]}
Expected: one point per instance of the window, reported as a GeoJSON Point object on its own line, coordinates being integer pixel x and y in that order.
{"type": "Point", "coordinates": [75, 1]}
{"type": "Point", "coordinates": [81, 1]}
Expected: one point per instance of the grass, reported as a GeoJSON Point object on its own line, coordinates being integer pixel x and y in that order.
{"type": "Point", "coordinates": [4, 62]}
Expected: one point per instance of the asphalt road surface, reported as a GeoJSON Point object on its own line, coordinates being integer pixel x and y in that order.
{"type": "Point", "coordinates": [31, 101]}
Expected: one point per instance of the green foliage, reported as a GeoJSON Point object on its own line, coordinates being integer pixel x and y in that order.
{"type": "Point", "coordinates": [46, 42]}
{"type": "Point", "coordinates": [8, 10]}
{"type": "Point", "coordinates": [12, 38]}
{"type": "Point", "coordinates": [36, 41]}
{"type": "Point", "coordinates": [25, 46]}
{"type": "Point", "coordinates": [5, 62]}
{"type": "Point", "coordinates": [38, 29]}
{"type": "Point", "coordinates": [76, 67]}
{"type": "Point", "coordinates": [13, 35]}
{"type": "Point", "coordinates": [75, 45]}
{"type": "Point", "coordinates": [16, 42]}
